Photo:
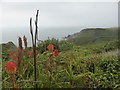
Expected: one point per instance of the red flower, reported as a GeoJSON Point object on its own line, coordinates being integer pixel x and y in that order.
{"type": "Point", "coordinates": [12, 53]}
{"type": "Point", "coordinates": [29, 53]}
{"type": "Point", "coordinates": [10, 67]}
{"type": "Point", "coordinates": [22, 49]}
{"type": "Point", "coordinates": [56, 53]}
{"type": "Point", "coordinates": [50, 47]}
{"type": "Point", "coordinates": [36, 51]}
{"type": "Point", "coordinates": [14, 58]}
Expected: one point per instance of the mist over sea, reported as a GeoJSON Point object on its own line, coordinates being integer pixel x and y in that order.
{"type": "Point", "coordinates": [12, 34]}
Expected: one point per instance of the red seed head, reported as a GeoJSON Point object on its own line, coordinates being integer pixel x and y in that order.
{"type": "Point", "coordinates": [50, 47]}
{"type": "Point", "coordinates": [10, 67]}
{"type": "Point", "coordinates": [36, 51]}
{"type": "Point", "coordinates": [14, 58]}
{"type": "Point", "coordinates": [56, 53]}
{"type": "Point", "coordinates": [12, 53]}
{"type": "Point", "coordinates": [29, 53]}
{"type": "Point", "coordinates": [25, 41]}
{"type": "Point", "coordinates": [18, 49]}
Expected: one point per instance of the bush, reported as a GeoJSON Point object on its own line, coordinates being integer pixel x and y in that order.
{"type": "Point", "coordinates": [60, 45]}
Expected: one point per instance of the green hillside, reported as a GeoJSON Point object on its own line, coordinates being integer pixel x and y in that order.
{"type": "Point", "coordinates": [93, 35]}
{"type": "Point", "coordinates": [8, 46]}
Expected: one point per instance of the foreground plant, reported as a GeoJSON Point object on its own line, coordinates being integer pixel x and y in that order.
{"type": "Point", "coordinates": [53, 53]}
{"type": "Point", "coordinates": [25, 42]}
{"type": "Point", "coordinates": [12, 54]}
{"type": "Point", "coordinates": [56, 53]}
{"type": "Point", "coordinates": [29, 53]}
{"type": "Point", "coordinates": [20, 55]}
{"type": "Point", "coordinates": [11, 70]}
{"type": "Point", "coordinates": [50, 47]}
{"type": "Point", "coordinates": [34, 42]}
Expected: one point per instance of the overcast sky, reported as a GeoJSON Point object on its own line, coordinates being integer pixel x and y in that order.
{"type": "Point", "coordinates": [59, 14]}
{"type": "Point", "coordinates": [85, 14]}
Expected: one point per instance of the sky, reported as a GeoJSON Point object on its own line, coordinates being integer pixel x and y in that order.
{"type": "Point", "coordinates": [60, 0]}
{"type": "Point", "coordinates": [62, 14]}
{"type": "Point", "coordinates": [94, 14]}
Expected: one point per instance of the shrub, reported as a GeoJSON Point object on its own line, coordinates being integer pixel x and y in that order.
{"type": "Point", "coordinates": [59, 45]}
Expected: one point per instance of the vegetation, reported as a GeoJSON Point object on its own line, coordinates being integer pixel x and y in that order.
{"type": "Point", "coordinates": [60, 45]}
{"type": "Point", "coordinates": [93, 35]}
{"type": "Point", "coordinates": [80, 67]}
{"type": "Point", "coordinates": [63, 64]}
{"type": "Point", "coordinates": [8, 46]}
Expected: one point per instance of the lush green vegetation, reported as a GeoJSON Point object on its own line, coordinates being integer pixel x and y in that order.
{"type": "Point", "coordinates": [93, 35]}
{"type": "Point", "coordinates": [89, 66]}
{"type": "Point", "coordinates": [59, 45]}
{"type": "Point", "coordinates": [8, 46]}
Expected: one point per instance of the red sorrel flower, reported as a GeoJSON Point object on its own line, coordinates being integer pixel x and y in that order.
{"type": "Point", "coordinates": [12, 53]}
{"type": "Point", "coordinates": [56, 53]}
{"type": "Point", "coordinates": [36, 51]}
{"type": "Point", "coordinates": [29, 53]}
{"type": "Point", "coordinates": [10, 67]}
{"type": "Point", "coordinates": [14, 58]}
{"type": "Point", "coordinates": [50, 47]}
{"type": "Point", "coordinates": [22, 49]}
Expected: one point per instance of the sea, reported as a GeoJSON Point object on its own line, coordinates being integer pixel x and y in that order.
{"type": "Point", "coordinates": [12, 33]}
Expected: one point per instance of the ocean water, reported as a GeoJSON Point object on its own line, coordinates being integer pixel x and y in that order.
{"type": "Point", "coordinates": [12, 34]}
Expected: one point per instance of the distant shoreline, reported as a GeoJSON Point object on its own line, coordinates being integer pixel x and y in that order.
{"type": "Point", "coordinates": [52, 32]}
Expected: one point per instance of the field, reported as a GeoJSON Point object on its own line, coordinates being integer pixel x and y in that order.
{"type": "Point", "coordinates": [60, 64]}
